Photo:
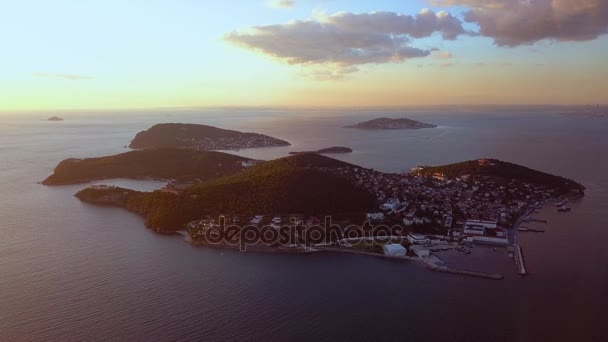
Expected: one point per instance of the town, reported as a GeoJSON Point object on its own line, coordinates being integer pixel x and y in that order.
{"type": "Point", "coordinates": [425, 214]}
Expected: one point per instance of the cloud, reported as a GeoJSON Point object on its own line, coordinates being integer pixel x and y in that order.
{"type": "Point", "coordinates": [281, 3]}
{"type": "Point", "coordinates": [520, 22]}
{"type": "Point", "coordinates": [346, 40]}
{"type": "Point", "coordinates": [442, 54]}
{"type": "Point", "coordinates": [68, 77]}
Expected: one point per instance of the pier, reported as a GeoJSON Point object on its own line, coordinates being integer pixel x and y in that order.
{"type": "Point", "coordinates": [494, 276]}
{"type": "Point", "coordinates": [519, 258]}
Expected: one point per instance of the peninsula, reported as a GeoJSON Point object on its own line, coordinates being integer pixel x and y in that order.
{"type": "Point", "coordinates": [329, 150]}
{"type": "Point", "coordinates": [55, 118]}
{"type": "Point", "coordinates": [179, 164]}
{"type": "Point", "coordinates": [387, 123]}
{"type": "Point", "coordinates": [200, 137]}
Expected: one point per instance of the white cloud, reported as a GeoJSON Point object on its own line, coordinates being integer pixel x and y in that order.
{"type": "Point", "coordinates": [281, 3]}
{"type": "Point", "coordinates": [519, 22]}
{"type": "Point", "coordinates": [344, 41]}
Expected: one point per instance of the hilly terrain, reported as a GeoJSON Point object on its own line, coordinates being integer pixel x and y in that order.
{"type": "Point", "coordinates": [180, 164]}
{"type": "Point", "coordinates": [388, 123]}
{"type": "Point", "coordinates": [299, 184]}
{"type": "Point", "coordinates": [200, 137]}
{"type": "Point", "coordinates": [504, 170]}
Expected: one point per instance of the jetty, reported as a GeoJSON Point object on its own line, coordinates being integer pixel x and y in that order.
{"type": "Point", "coordinates": [519, 259]}
{"type": "Point", "coordinates": [494, 276]}
{"type": "Point", "coordinates": [530, 230]}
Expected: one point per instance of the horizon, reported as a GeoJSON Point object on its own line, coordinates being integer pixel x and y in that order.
{"type": "Point", "coordinates": [74, 56]}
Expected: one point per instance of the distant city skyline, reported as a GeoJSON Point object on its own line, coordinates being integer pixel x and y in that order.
{"type": "Point", "coordinates": [301, 53]}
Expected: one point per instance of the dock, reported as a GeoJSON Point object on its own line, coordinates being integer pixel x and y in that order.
{"type": "Point", "coordinates": [519, 258]}
{"type": "Point", "coordinates": [531, 230]}
{"type": "Point", "coordinates": [494, 276]}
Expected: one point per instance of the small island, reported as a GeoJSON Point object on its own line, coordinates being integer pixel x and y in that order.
{"type": "Point", "coordinates": [200, 137]}
{"type": "Point", "coordinates": [55, 118]}
{"type": "Point", "coordinates": [329, 150]}
{"type": "Point", "coordinates": [390, 124]}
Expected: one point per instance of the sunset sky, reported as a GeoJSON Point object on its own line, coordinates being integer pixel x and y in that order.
{"type": "Point", "coordinates": [86, 54]}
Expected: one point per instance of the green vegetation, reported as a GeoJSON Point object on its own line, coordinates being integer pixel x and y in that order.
{"type": "Point", "coordinates": [506, 171]}
{"type": "Point", "coordinates": [201, 137]}
{"type": "Point", "coordinates": [178, 164]}
{"type": "Point", "coordinates": [298, 184]}
{"type": "Point", "coordinates": [387, 123]}
{"type": "Point", "coordinates": [336, 149]}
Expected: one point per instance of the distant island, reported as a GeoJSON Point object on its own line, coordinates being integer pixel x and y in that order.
{"type": "Point", "coordinates": [329, 150]}
{"type": "Point", "coordinates": [200, 137]}
{"type": "Point", "coordinates": [177, 164]}
{"type": "Point", "coordinates": [55, 118]}
{"type": "Point", "coordinates": [387, 123]}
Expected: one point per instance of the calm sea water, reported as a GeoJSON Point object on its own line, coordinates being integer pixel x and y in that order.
{"type": "Point", "coordinates": [71, 271]}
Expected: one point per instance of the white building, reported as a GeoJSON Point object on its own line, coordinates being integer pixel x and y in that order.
{"type": "Point", "coordinates": [257, 219]}
{"type": "Point", "coordinates": [420, 251]}
{"type": "Point", "coordinates": [375, 216]}
{"type": "Point", "coordinates": [478, 227]}
{"type": "Point", "coordinates": [391, 204]}
{"type": "Point", "coordinates": [417, 239]}
{"type": "Point", "coordinates": [394, 250]}
{"type": "Point", "coordinates": [247, 163]}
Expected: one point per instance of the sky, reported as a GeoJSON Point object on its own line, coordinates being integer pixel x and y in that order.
{"type": "Point", "coordinates": [116, 54]}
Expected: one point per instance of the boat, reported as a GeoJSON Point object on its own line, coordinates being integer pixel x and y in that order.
{"type": "Point", "coordinates": [561, 204]}
{"type": "Point", "coordinates": [563, 209]}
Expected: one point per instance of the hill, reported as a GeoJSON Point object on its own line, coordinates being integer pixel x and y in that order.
{"type": "Point", "coordinates": [504, 170]}
{"type": "Point", "coordinates": [200, 137]}
{"type": "Point", "coordinates": [387, 123]}
{"type": "Point", "coordinates": [329, 150]}
{"type": "Point", "coordinates": [178, 164]}
{"type": "Point", "coordinates": [299, 184]}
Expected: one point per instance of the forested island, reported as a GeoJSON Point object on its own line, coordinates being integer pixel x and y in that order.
{"type": "Point", "coordinates": [307, 184]}
{"type": "Point", "coordinates": [200, 137]}
{"type": "Point", "coordinates": [168, 163]}
{"type": "Point", "coordinates": [312, 185]}
{"type": "Point", "coordinates": [329, 150]}
{"type": "Point", "coordinates": [387, 123]}
{"type": "Point", "coordinates": [55, 118]}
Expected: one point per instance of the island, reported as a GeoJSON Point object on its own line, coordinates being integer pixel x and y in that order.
{"type": "Point", "coordinates": [55, 118]}
{"type": "Point", "coordinates": [313, 203]}
{"type": "Point", "coordinates": [200, 137]}
{"type": "Point", "coordinates": [329, 150]}
{"type": "Point", "coordinates": [168, 164]}
{"type": "Point", "coordinates": [387, 123]}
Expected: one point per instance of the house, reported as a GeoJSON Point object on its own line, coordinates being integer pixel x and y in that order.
{"type": "Point", "coordinates": [257, 220]}
{"type": "Point", "coordinates": [420, 251]}
{"type": "Point", "coordinates": [408, 221]}
{"type": "Point", "coordinates": [394, 250]}
{"type": "Point", "coordinates": [478, 227]}
{"type": "Point", "coordinates": [417, 239]}
{"type": "Point", "coordinates": [392, 203]}
{"type": "Point", "coordinates": [375, 216]}
{"type": "Point", "coordinates": [248, 163]}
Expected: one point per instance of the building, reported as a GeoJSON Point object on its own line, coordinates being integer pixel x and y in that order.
{"type": "Point", "coordinates": [375, 216]}
{"type": "Point", "coordinates": [394, 250]}
{"type": "Point", "coordinates": [478, 227]}
{"type": "Point", "coordinates": [257, 220]}
{"type": "Point", "coordinates": [417, 239]}
{"type": "Point", "coordinates": [420, 251]}
{"type": "Point", "coordinates": [391, 204]}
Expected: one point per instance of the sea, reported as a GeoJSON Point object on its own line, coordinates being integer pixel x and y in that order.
{"type": "Point", "coordinates": [70, 271]}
